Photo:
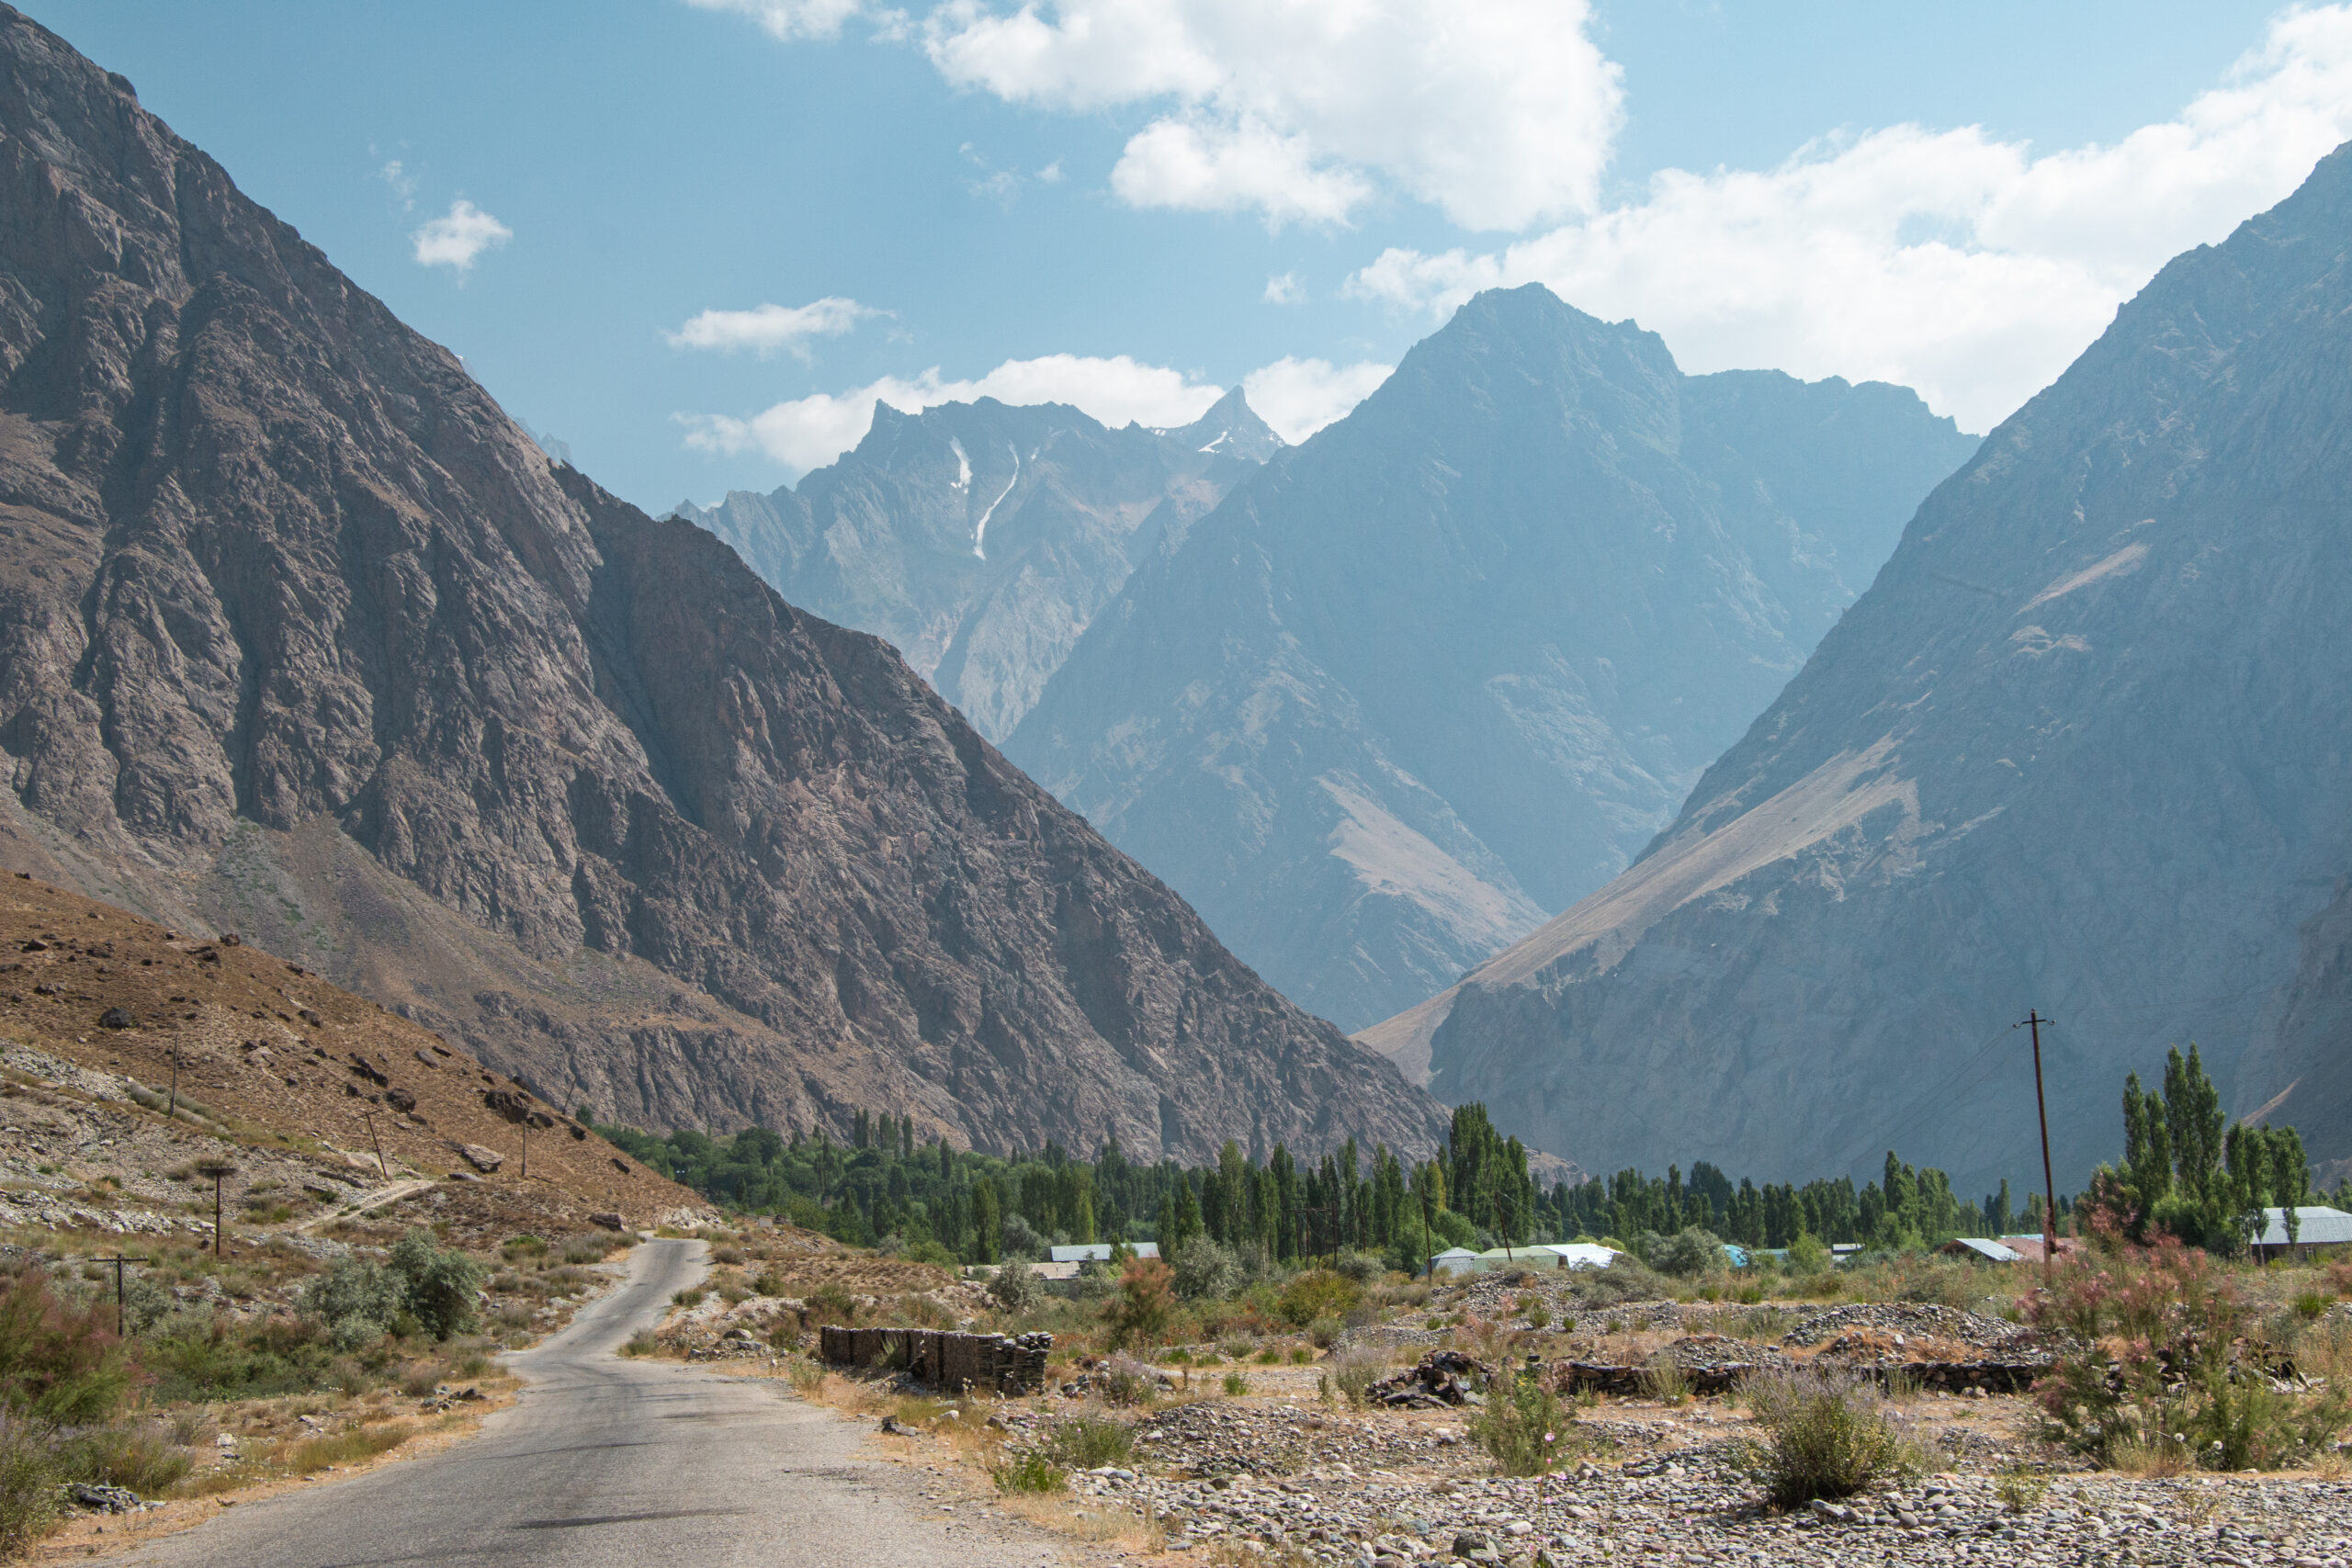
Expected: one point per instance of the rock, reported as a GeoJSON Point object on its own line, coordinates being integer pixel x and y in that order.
{"type": "Point", "coordinates": [105, 1499]}
{"type": "Point", "coordinates": [400, 1099]}
{"type": "Point", "coordinates": [607, 1220]}
{"type": "Point", "coordinates": [500, 699]}
{"type": "Point", "coordinates": [116, 1018]}
{"type": "Point", "coordinates": [481, 1160]}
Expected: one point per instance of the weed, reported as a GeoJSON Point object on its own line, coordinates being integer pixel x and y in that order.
{"type": "Point", "coordinates": [1300, 1354]}
{"type": "Point", "coordinates": [641, 1343]}
{"type": "Point", "coordinates": [805, 1375]}
{"type": "Point", "coordinates": [315, 1454]}
{"type": "Point", "coordinates": [1088, 1442]}
{"type": "Point", "coordinates": [1030, 1471]}
{"type": "Point", "coordinates": [691, 1296]}
{"type": "Point", "coordinates": [1524, 1429]}
{"type": "Point", "coordinates": [1665, 1380]}
{"type": "Point", "coordinates": [2021, 1488]}
{"type": "Point", "coordinates": [1354, 1371]}
{"type": "Point", "coordinates": [2312, 1305]}
{"type": "Point", "coordinates": [1235, 1385]}
{"type": "Point", "coordinates": [1826, 1434]}
{"type": "Point", "coordinates": [141, 1458]}
{"type": "Point", "coordinates": [1125, 1381]}
{"type": "Point", "coordinates": [1535, 1310]}
{"type": "Point", "coordinates": [29, 1496]}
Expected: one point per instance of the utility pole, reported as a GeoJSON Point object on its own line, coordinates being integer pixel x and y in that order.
{"type": "Point", "coordinates": [173, 1109]}
{"type": "Point", "coordinates": [218, 1170]}
{"type": "Point", "coordinates": [2034, 1020]}
{"type": "Point", "coordinates": [381, 1169]}
{"type": "Point", "coordinates": [527, 1146]}
{"type": "Point", "coordinates": [118, 1262]}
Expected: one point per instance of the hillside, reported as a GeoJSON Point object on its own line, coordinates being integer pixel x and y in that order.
{"type": "Point", "coordinates": [2080, 748]}
{"type": "Point", "coordinates": [272, 1057]}
{"type": "Point", "coordinates": [979, 539]}
{"type": "Point", "coordinates": [300, 635]}
{"type": "Point", "coordinates": [1444, 668]}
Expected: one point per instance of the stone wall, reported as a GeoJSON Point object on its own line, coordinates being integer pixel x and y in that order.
{"type": "Point", "coordinates": [953, 1364]}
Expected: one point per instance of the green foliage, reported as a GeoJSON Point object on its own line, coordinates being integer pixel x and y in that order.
{"type": "Point", "coordinates": [2187, 1173]}
{"type": "Point", "coordinates": [1030, 1471]}
{"type": "Point", "coordinates": [1807, 1256]}
{"type": "Point", "coordinates": [1235, 1385]}
{"type": "Point", "coordinates": [1687, 1254]}
{"type": "Point", "coordinates": [438, 1285]}
{"type": "Point", "coordinates": [59, 1363]}
{"type": "Point", "coordinates": [1316, 1293]}
{"type": "Point", "coordinates": [1139, 1312]}
{"type": "Point", "coordinates": [2169, 1360]}
{"type": "Point", "coordinates": [29, 1495]}
{"type": "Point", "coordinates": [1524, 1428]}
{"type": "Point", "coordinates": [1088, 1442]}
{"type": "Point", "coordinates": [1016, 1288]}
{"type": "Point", "coordinates": [356, 1300]}
{"type": "Point", "coordinates": [1827, 1434]}
{"type": "Point", "coordinates": [141, 1458]}
{"type": "Point", "coordinates": [1206, 1270]}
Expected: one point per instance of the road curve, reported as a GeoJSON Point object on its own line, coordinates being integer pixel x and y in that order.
{"type": "Point", "coordinates": [604, 1462]}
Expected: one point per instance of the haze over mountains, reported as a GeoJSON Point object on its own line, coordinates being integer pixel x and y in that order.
{"type": "Point", "coordinates": [2082, 747]}
{"type": "Point", "coordinates": [1447, 665]}
{"type": "Point", "coordinates": [300, 635]}
{"type": "Point", "coordinates": [981, 540]}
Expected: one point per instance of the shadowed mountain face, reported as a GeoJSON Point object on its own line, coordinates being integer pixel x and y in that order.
{"type": "Point", "coordinates": [1447, 666]}
{"type": "Point", "coordinates": [980, 540]}
{"type": "Point", "coordinates": [300, 635]}
{"type": "Point", "coordinates": [2082, 747]}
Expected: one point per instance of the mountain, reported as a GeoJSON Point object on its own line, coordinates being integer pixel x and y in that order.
{"type": "Point", "coordinates": [1447, 665]}
{"type": "Point", "coordinates": [979, 539]}
{"type": "Point", "coordinates": [2081, 748]}
{"type": "Point", "coordinates": [300, 635]}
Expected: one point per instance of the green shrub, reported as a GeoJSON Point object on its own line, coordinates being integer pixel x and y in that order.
{"type": "Point", "coordinates": [1318, 1292]}
{"type": "Point", "coordinates": [139, 1457]}
{"type": "Point", "coordinates": [1664, 1380]}
{"type": "Point", "coordinates": [691, 1296]}
{"type": "Point", "coordinates": [1536, 1310]}
{"type": "Point", "coordinates": [1354, 1371]}
{"type": "Point", "coordinates": [59, 1363]}
{"type": "Point", "coordinates": [1807, 1256]}
{"type": "Point", "coordinates": [29, 1496]}
{"type": "Point", "coordinates": [1826, 1434]}
{"type": "Point", "coordinates": [2169, 1365]}
{"type": "Point", "coordinates": [641, 1343]}
{"type": "Point", "coordinates": [1088, 1442]}
{"type": "Point", "coordinates": [1030, 1471]}
{"type": "Point", "coordinates": [1325, 1331]}
{"type": "Point", "coordinates": [358, 1301]}
{"type": "Point", "coordinates": [1235, 1385]}
{"type": "Point", "coordinates": [438, 1284]}
{"type": "Point", "coordinates": [1016, 1288]}
{"type": "Point", "coordinates": [1687, 1254]}
{"type": "Point", "coordinates": [1524, 1428]}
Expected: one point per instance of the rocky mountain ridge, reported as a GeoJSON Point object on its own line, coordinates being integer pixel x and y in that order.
{"type": "Point", "coordinates": [979, 539]}
{"type": "Point", "coordinates": [2081, 748]}
{"type": "Point", "coordinates": [300, 635]}
{"type": "Point", "coordinates": [1447, 665]}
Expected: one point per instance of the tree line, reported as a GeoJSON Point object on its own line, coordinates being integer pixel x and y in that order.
{"type": "Point", "coordinates": [885, 1184]}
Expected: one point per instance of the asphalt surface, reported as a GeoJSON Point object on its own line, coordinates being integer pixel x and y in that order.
{"type": "Point", "coordinates": [607, 1462]}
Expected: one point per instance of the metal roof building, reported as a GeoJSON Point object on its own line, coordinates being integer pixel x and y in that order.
{"type": "Point", "coordinates": [2315, 1225]}
{"type": "Point", "coordinates": [1100, 1252]}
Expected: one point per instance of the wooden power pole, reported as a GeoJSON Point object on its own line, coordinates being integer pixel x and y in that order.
{"type": "Point", "coordinates": [2034, 1020]}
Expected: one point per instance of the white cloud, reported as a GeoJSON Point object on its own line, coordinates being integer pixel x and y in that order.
{"type": "Point", "coordinates": [404, 183]}
{"type": "Point", "coordinates": [460, 236]}
{"type": "Point", "coordinates": [768, 328]}
{"type": "Point", "coordinates": [1948, 261]}
{"type": "Point", "coordinates": [1299, 397]}
{"type": "Point", "coordinates": [1499, 113]}
{"type": "Point", "coordinates": [1284, 288]}
{"type": "Point", "coordinates": [789, 19]}
{"type": "Point", "coordinates": [808, 433]}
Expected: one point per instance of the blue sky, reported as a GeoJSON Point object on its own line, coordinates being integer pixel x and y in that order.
{"type": "Point", "coordinates": [1130, 204]}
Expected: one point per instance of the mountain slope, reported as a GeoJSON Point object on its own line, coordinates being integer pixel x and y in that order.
{"type": "Point", "coordinates": [299, 635]}
{"type": "Point", "coordinates": [979, 539]}
{"type": "Point", "coordinates": [1447, 665]}
{"type": "Point", "coordinates": [2082, 747]}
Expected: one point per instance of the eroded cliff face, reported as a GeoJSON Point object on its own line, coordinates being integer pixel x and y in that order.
{"type": "Point", "coordinates": [299, 634]}
{"type": "Point", "coordinates": [1446, 667]}
{"type": "Point", "coordinates": [981, 540]}
{"type": "Point", "coordinates": [2082, 747]}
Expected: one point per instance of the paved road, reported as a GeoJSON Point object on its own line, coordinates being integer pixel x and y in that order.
{"type": "Point", "coordinates": [605, 1462]}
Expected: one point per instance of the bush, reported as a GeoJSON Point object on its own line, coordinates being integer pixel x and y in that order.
{"type": "Point", "coordinates": [1354, 1371]}
{"type": "Point", "coordinates": [1360, 1268]}
{"type": "Point", "coordinates": [1030, 1471]}
{"type": "Point", "coordinates": [1016, 1288]}
{"type": "Point", "coordinates": [1022, 1242]}
{"type": "Point", "coordinates": [1125, 1381]}
{"type": "Point", "coordinates": [358, 1301]}
{"type": "Point", "coordinates": [59, 1363]}
{"type": "Point", "coordinates": [438, 1285]}
{"type": "Point", "coordinates": [1687, 1254]}
{"type": "Point", "coordinates": [1325, 1332]}
{"type": "Point", "coordinates": [1524, 1429]}
{"type": "Point", "coordinates": [1318, 1292]}
{"type": "Point", "coordinates": [2167, 1364]}
{"type": "Point", "coordinates": [1088, 1442]}
{"type": "Point", "coordinates": [139, 1457]}
{"type": "Point", "coordinates": [1826, 1434]}
{"type": "Point", "coordinates": [642, 1343]}
{"type": "Point", "coordinates": [1807, 1256]}
{"type": "Point", "coordinates": [29, 1497]}
{"type": "Point", "coordinates": [1235, 1385]}
{"type": "Point", "coordinates": [1138, 1314]}
{"type": "Point", "coordinates": [1204, 1270]}
{"type": "Point", "coordinates": [1627, 1278]}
